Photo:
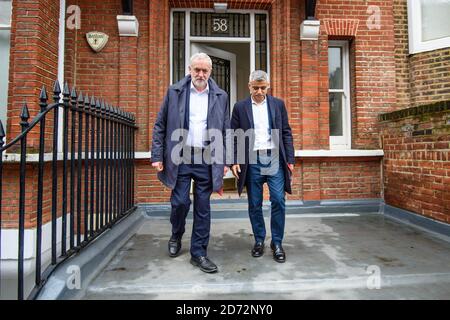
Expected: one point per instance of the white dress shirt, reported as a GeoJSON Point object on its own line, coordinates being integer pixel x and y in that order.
{"type": "Point", "coordinates": [262, 128]}
{"type": "Point", "coordinates": [198, 114]}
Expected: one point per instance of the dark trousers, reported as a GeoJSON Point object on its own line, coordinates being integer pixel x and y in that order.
{"type": "Point", "coordinates": [180, 201]}
{"type": "Point", "coordinates": [254, 183]}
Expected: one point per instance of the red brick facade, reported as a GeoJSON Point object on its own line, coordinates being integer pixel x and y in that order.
{"type": "Point", "coordinates": [33, 59]}
{"type": "Point", "coordinates": [417, 163]}
{"type": "Point", "coordinates": [133, 73]}
{"type": "Point", "coordinates": [417, 149]}
{"type": "Point", "coordinates": [421, 78]}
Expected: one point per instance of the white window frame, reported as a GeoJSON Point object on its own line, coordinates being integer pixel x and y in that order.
{"type": "Point", "coordinates": [6, 27]}
{"type": "Point", "coordinates": [189, 38]}
{"type": "Point", "coordinates": [343, 142]}
{"type": "Point", "coordinates": [416, 44]}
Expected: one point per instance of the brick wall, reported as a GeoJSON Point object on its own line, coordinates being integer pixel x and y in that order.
{"type": "Point", "coordinates": [120, 72]}
{"type": "Point", "coordinates": [299, 75]}
{"type": "Point", "coordinates": [133, 73]}
{"type": "Point", "coordinates": [337, 178]}
{"type": "Point", "coordinates": [357, 178]}
{"type": "Point", "coordinates": [416, 142]}
{"type": "Point", "coordinates": [416, 138]}
{"type": "Point", "coordinates": [33, 59]}
{"type": "Point", "coordinates": [373, 62]}
{"type": "Point", "coordinates": [421, 78]}
{"type": "Point", "coordinates": [11, 191]}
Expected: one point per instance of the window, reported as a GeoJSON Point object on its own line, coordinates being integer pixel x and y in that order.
{"type": "Point", "coordinates": [339, 95]}
{"type": "Point", "coordinates": [178, 45]}
{"type": "Point", "coordinates": [5, 37]}
{"type": "Point", "coordinates": [428, 25]}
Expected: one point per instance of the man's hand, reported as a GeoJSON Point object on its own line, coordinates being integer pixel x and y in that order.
{"type": "Point", "coordinates": [236, 169]}
{"type": "Point", "coordinates": [158, 165]}
{"type": "Point", "coordinates": [225, 170]}
{"type": "Point", "coordinates": [291, 167]}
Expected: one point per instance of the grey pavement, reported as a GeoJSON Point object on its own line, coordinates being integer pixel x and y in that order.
{"type": "Point", "coordinates": [329, 256]}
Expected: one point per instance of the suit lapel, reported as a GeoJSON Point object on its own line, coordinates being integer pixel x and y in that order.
{"type": "Point", "coordinates": [271, 106]}
{"type": "Point", "coordinates": [212, 99]}
{"type": "Point", "coordinates": [181, 88]}
{"type": "Point", "coordinates": [249, 112]}
{"type": "Point", "coordinates": [182, 96]}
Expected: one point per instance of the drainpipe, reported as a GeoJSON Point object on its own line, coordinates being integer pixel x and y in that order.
{"type": "Point", "coordinates": [61, 42]}
{"type": "Point", "coordinates": [310, 9]}
{"type": "Point", "coordinates": [309, 29]}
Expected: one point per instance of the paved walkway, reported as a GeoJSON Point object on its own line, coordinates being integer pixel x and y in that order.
{"type": "Point", "coordinates": [329, 256]}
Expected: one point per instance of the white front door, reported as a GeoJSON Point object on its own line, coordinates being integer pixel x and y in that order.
{"type": "Point", "coordinates": [224, 68]}
{"type": "Point", "coordinates": [224, 72]}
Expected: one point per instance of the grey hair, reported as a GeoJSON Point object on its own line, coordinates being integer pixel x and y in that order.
{"type": "Point", "coordinates": [200, 56]}
{"type": "Point", "coordinates": [258, 75]}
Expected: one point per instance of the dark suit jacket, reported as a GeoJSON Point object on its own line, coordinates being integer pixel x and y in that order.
{"type": "Point", "coordinates": [242, 118]}
{"type": "Point", "coordinates": [171, 117]}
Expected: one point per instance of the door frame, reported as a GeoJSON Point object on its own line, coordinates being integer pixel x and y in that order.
{"type": "Point", "coordinates": [188, 38]}
{"type": "Point", "coordinates": [223, 55]}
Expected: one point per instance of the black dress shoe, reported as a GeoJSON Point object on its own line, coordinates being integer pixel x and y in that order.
{"type": "Point", "coordinates": [204, 264]}
{"type": "Point", "coordinates": [278, 253]}
{"type": "Point", "coordinates": [174, 247]}
{"type": "Point", "coordinates": [258, 249]}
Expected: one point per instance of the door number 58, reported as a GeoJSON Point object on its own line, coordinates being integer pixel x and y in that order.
{"type": "Point", "coordinates": [220, 25]}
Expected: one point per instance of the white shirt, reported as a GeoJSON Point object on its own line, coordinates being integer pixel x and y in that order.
{"type": "Point", "coordinates": [262, 127]}
{"type": "Point", "coordinates": [198, 114]}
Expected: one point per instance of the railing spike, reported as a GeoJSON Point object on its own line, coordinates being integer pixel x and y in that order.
{"type": "Point", "coordinates": [66, 90]}
{"type": "Point", "coordinates": [2, 133]}
{"type": "Point", "coordinates": [86, 99]}
{"type": "Point", "coordinates": [92, 102]}
{"type": "Point", "coordinates": [43, 99]}
{"type": "Point", "coordinates": [56, 88]}
{"type": "Point", "coordinates": [43, 94]}
{"type": "Point", "coordinates": [98, 105]}
{"type": "Point", "coordinates": [25, 115]}
{"type": "Point", "coordinates": [73, 93]}
{"type": "Point", "coordinates": [80, 97]}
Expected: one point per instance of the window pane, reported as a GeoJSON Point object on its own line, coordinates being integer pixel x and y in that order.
{"type": "Point", "coordinates": [336, 114]}
{"type": "Point", "coordinates": [5, 12]}
{"type": "Point", "coordinates": [335, 75]}
{"type": "Point", "coordinates": [178, 46]}
{"type": "Point", "coordinates": [260, 42]}
{"type": "Point", "coordinates": [4, 67]}
{"type": "Point", "coordinates": [435, 19]}
{"type": "Point", "coordinates": [205, 24]}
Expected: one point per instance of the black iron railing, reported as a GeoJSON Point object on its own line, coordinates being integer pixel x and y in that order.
{"type": "Point", "coordinates": [100, 152]}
